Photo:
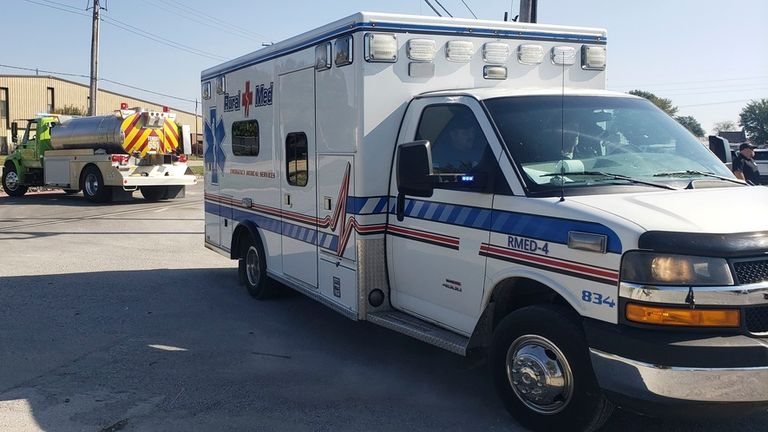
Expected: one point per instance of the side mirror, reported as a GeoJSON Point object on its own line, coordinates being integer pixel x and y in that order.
{"type": "Point", "coordinates": [414, 169]}
{"type": "Point", "coordinates": [15, 132]}
{"type": "Point", "coordinates": [721, 148]}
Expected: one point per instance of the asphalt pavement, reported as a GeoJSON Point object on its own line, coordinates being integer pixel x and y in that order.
{"type": "Point", "coordinates": [116, 318]}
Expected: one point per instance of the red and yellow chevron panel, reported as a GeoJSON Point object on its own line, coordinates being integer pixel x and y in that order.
{"type": "Point", "coordinates": [143, 139]}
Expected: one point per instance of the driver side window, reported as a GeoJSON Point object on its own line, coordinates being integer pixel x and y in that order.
{"type": "Point", "coordinates": [458, 143]}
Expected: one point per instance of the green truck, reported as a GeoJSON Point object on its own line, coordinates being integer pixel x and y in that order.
{"type": "Point", "coordinates": [107, 157]}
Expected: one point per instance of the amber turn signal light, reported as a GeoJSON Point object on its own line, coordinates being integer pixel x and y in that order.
{"type": "Point", "coordinates": [687, 317]}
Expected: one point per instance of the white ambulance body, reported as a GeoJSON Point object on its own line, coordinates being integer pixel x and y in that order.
{"type": "Point", "coordinates": [400, 169]}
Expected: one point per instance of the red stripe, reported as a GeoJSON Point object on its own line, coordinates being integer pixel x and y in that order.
{"type": "Point", "coordinates": [132, 124]}
{"type": "Point", "coordinates": [173, 128]}
{"type": "Point", "coordinates": [424, 234]}
{"type": "Point", "coordinates": [551, 262]}
{"type": "Point", "coordinates": [134, 141]}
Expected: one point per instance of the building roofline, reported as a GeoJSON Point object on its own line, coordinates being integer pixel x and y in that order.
{"type": "Point", "coordinates": [100, 89]}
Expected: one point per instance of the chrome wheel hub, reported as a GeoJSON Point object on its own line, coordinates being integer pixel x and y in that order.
{"type": "Point", "coordinates": [252, 266]}
{"type": "Point", "coordinates": [91, 184]}
{"type": "Point", "coordinates": [539, 374]}
{"type": "Point", "coordinates": [12, 180]}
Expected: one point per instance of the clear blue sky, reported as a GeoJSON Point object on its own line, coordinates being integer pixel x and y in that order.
{"type": "Point", "coordinates": [709, 57]}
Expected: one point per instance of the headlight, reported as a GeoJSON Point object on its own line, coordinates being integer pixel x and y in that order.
{"type": "Point", "coordinates": [651, 268]}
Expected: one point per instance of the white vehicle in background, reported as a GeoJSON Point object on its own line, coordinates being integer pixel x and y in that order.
{"type": "Point", "coordinates": [471, 184]}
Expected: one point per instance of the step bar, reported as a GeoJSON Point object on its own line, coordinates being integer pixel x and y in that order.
{"type": "Point", "coordinates": [421, 330]}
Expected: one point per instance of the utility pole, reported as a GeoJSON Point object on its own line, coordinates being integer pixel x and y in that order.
{"type": "Point", "coordinates": [528, 11]}
{"type": "Point", "coordinates": [94, 58]}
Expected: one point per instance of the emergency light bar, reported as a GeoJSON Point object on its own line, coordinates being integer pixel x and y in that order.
{"type": "Point", "coordinates": [495, 53]}
{"type": "Point", "coordinates": [459, 51]}
{"type": "Point", "coordinates": [593, 57]}
{"type": "Point", "coordinates": [530, 54]}
{"type": "Point", "coordinates": [563, 55]}
{"type": "Point", "coordinates": [380, 47]}
{"type": "Point", "coordinates": [421, 50]}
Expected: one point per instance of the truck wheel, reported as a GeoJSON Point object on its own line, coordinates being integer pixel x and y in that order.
{"type": "Point", "coordinates": [542, 372]}
{"type": "Point", "coordinates": [11, 184]}
{"type": "Point", "coordinates": [93, 185]}
{"type": "Point", "coordinates": [252, 269]}
{"type": "Point", "coordinates": [154, 193]}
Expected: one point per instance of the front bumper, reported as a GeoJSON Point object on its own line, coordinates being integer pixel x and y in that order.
{"type": "Point", "coordinates": [651, 382]}
{"type": "Point", "coordinates": [659, 373]}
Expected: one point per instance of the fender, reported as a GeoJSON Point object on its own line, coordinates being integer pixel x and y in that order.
{"type": "Point", "coordinates": [543, 278]}
{"type": "Point", "coordinates": [21, 171]}
{"type": "Point", "coordinates": [253, 231]}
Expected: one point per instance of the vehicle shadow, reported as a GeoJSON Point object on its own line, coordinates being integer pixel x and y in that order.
{"type": "Point", "coordinates": [171, 349]}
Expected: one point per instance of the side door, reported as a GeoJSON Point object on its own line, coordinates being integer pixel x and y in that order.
{"type": "Point", "coordinates": [435, 265]}
{"type": "Point", "coordinates": [296, 93]}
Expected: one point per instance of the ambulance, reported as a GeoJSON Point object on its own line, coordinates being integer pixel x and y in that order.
{"type": "Point", "coordinates": [473, 185]}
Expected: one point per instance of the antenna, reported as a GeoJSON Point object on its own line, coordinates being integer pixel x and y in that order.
{"type": "Point", "coordinates": [562, 134]}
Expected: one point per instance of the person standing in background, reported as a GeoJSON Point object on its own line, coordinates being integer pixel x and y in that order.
{"type": "Point", "coordinates": [744, 166]}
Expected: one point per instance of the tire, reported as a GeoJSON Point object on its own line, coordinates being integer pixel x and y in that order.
{"type": "Point", "coordinates": [535, 341]}
{"type": "Point", "coordinates": [252, 270]}
{"type": "Point", "coordinates": [154, 193]}
{"type": "Point", "coordinates": [10, 181]}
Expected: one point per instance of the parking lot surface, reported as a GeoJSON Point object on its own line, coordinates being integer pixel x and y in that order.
{"type": "Point", "coordinates": [115, 317]}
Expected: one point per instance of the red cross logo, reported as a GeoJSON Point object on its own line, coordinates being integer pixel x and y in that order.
{"type": "Point", "coordinates": [247, 98]}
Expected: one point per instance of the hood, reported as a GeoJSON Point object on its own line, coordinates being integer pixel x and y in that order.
{"type": "Point", "coordinates": [716, 210]}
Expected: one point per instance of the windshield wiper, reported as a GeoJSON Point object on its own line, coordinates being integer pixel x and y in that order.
{"type": "Point", "coordinates": [697, 173]}
{"type": "Point", "coordinates": [613, 177]}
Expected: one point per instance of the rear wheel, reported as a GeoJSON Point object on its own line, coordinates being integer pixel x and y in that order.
{"type": "Point", "coordinates": [542, 371]}
{"type": "Point", "coordinates": [93, 185]}
{"type": "Point", "coordinates": [11, 181]}
{"type": "Point", "coordinates": [154, 193]}
{"type": "Point", "coordinates": [252, 269]}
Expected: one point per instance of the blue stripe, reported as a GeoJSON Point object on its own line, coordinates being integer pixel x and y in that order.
{"type": "Point", "coordinates": [298, 232]}
{"type": "Point", "coordinates": [410, 28]}
{"type": "Point", "coordinates": [544, 228]}
{"type": "Point", "coordinates": [355, 205]}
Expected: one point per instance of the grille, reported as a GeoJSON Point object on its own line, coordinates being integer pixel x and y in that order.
{"type": "Point", "coordinates": [757, 319]}
{"type": "Point", "coordinates": [748, 272]}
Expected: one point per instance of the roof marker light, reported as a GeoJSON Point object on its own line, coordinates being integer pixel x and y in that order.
{"type": "Point", "coordinates": [593, 57]}
{"type": "Point", "coordinates": [563, 55]}
{"type": "Point", "coordinates": [459, 51]}
{"type": "Point", "coordinates": [495, 72]}
{"type": "Point", "coordinates": [530, 54]}
{"type": "Point", "coordinates": [380, 47]}
{"type": "Point", "coordinates": [495, 53]}
{"type": "Point", "coordinates": [422, 50]}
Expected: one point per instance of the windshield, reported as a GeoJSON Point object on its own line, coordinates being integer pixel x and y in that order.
{"type": "Point", "coordinates": [577, 141]}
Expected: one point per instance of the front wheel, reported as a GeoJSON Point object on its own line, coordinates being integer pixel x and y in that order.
{"type": "Point", "coordinates": [11, 182]}
{"type": "Point", "coordinates": [542, 371]}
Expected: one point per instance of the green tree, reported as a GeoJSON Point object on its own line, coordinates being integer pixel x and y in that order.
{"type": "Point", "coordinates": [69, 110]}
{"type": "Point", "coordinates": [725, 125]}
{"type": "Point", "coordinates": [663, 103]}
{"type": "Point", "coordinates": [754, 120]}
{"type": "Point", "coordinates": [691, 124]}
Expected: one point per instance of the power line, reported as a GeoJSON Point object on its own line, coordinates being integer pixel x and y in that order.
{"type": "Point", "coordinates": [443, 7]}
{"type": "Point", "coordinates": [207, 16]}
{"type": "Point", "coordinates": [100, 79]}
{"type": "Point", "coordinates": [145, 34]}
{"type": "Point", "coordinates": [183, 13]}
{"type": "Point", "coordinates": [469, 9]}
{"type": "Point", "coordinates": [129, 28]}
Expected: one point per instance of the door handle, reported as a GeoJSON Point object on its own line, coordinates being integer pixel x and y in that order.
{"type": "Point", "coordinates": [400, 207]}
{"type": "Point", "coordinates": [287, 200]}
